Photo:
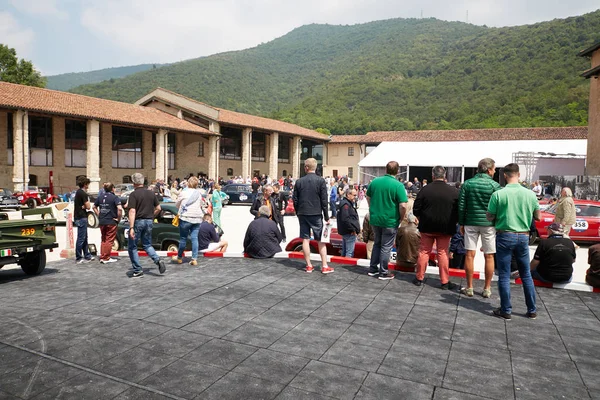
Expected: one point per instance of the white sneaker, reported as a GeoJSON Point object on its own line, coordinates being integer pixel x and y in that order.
{"type": "Point", "coordinates": [110, 260]}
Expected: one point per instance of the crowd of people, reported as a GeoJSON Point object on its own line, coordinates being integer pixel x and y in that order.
{"type": "Point", "coordinates": [423, 220]}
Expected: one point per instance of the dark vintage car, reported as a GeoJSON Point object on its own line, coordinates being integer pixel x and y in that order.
{"type": "Point", "coordinates": [165, 236]}
{"type": "Point", "coordinates": [238, 193]}
{"type": "Point", "coordinates": [8, 200]}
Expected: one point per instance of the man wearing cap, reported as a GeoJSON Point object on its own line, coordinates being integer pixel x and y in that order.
{"type": "Point", "coordinates": [554, 257]}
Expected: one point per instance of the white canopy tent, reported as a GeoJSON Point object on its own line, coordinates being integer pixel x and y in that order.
{"type": "Point", "coordinates": [566, 154]}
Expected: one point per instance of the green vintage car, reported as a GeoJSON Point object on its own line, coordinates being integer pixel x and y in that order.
{"type": "Point", "coordinates": [165, 236]}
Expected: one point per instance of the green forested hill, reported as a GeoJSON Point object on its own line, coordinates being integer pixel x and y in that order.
{"type": "Point", "coordinates": [73, 79]}
{"type": "Point", "coordinates": [391, 75]}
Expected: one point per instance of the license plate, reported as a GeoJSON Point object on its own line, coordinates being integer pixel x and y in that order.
{"type": "Point", "coordinates": [29, 249]}
{"type": "Point", "coordinates": [243, 197]}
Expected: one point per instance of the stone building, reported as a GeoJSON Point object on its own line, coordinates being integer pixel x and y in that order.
{"type": "Point", "coordinates": [593, 148]}
{"type": "Point", "coordinates": [164, 134]}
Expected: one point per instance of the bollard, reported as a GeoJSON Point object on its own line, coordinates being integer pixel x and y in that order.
{"type": "Point", "coordinates": [69, 250]}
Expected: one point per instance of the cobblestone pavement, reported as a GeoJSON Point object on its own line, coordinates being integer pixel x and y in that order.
{"type": "Point", "coordinates": [250, 329]}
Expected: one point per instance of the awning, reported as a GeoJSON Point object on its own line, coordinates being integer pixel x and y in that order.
{"type": "Point", "coordinates": [468, 154]}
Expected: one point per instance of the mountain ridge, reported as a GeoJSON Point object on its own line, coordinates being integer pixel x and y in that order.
{"type": "Point", "coordinates": [395, 74]}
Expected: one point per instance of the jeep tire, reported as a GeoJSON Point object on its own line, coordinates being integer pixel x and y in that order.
{"type": "Point", "coordinates": [34, 263]}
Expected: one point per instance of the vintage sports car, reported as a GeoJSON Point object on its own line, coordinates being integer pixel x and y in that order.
{"type": "Point", "coordinates": [585, 229]}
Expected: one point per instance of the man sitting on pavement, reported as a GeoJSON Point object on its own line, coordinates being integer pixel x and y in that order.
{"type": "Point", "coordinates": [208, 239]}
{"type": "Point", "coordinates": [408, 240]}
{"type": "Point", "coordinates": [262, 236]}
{"type": "Point", "coordinates": [592, 276]}
{"type": "Point", "coordinates": [554, 257]}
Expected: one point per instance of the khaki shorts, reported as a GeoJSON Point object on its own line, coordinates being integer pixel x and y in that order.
{"type": "Point", "coordinates": [488, 238]}
{"type": "Point", "coordinates": [211, 247]}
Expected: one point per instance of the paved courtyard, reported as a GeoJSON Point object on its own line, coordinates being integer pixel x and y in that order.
{"type": "Point", "coordinates": [250, 329]}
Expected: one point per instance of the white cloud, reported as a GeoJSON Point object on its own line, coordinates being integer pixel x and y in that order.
{"type": "Point", "coordinates": [43, 8]}
{"type": "Point", "coordinates": [157, 31]}
{"type": "Point", "coordinates": [16, 36]}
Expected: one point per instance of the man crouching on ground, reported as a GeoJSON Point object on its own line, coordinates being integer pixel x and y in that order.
{"type": "Point", "coordinates": [262, 236]}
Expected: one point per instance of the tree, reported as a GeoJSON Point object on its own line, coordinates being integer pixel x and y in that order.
{"type": "Point", "coordinates": [21, 71]}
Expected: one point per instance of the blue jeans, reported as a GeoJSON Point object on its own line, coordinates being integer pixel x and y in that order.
{"type": "Point", "coordinates": [188, 229]}
{"type": "Point", "coordinates": [507, 245]}
{"type": "Point", "coordinates": [348, 242]}
{"type": "Point", "coordinates": [536, 275]}
{"type": "Point", "coordinates": [382, 247]}
{"type": "Point", "coordinates": [333, 208]}
{"type": "Point", "coordinates": [81, 246]}
{"type": "Point", "coordinates": [143, 232]}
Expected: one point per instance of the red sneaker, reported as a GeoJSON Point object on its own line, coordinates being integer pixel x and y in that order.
{"type": "Point", "coordinates": [309, 269]}
{"type": "Point", "coordinates": [326, 270]}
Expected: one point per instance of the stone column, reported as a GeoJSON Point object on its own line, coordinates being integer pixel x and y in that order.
{"type": "Point", "coordinates": [147, 156]}
{"type": "Point", "coordinates": [162, 162]}
{"type": "Point", "coordinates": [213, 157]}
{"type": "Point", "coordinates": [216, 128]}
{"type": "Point", "coordinates": [20, 150]}
{"type": "Point", "coordinates": [274, 156]}
{"type": "Point", "coordinates": [246, 152]}
{"type": "Point", "coordinates": [296, 151]}
{"type": "Point", "coordinates": [92, 155]}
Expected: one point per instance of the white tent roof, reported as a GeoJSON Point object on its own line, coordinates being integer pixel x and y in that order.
{"type": "Point", "coordinates": [468, 154]}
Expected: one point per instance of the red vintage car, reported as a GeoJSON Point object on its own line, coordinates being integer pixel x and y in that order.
{"type": "Point", "coordinates": [34, 196]}
{"type": "Point", "coordinates": [334, 248]}
{"type": "Point", "coordinates": [585, 229]}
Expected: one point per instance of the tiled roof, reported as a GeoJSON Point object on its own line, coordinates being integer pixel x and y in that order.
{"type": "Point", "coordinates": [351, 139]}
{"type": "Point", "coordinates": [78, 106]}
{"type": "Point", "coordinates": [232, 117]}
{"type": "Point", "coordinates": [591, 72]}
{"type": "Point", "coordinates": [271, 125]}
{"type": "Point", "coordinates": [560, 133]}
{"type": "Point", "coordinates": [590, 50]}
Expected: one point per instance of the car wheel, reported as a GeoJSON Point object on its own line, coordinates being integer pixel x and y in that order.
{"type": "Point", "coordinates": [92, 220]}
{"type": "Point", "coordinates": [34, 263]}
{"type": "Point", "coordinates": [298, 248]}
{"type": "Point", "coordinates": [31, 203]}
{"type": "Point", "coordinates": [172, 247]}
{"type": "Point", "coordinates": [116, 246]}
{"type": "Point", "coordinates": [533, 236]}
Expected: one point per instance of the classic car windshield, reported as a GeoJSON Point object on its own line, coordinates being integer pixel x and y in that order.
{"type": "Point", "coordinates": [588, 211]}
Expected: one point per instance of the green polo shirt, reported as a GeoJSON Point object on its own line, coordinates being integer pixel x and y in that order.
{"type": "Point", "coordinates": [385, 194]}
{"type": "Point", "coordinates": [513, 207]}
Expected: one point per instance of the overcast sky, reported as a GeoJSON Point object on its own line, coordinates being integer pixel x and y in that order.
{"type": "Point", "coordinates": [82, 35]}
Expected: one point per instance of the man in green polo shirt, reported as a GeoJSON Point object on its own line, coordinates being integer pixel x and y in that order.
{"type": "Point", "coordinates": [387, 200]}
{"type": "Point", "coordinates": [512, 210]}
